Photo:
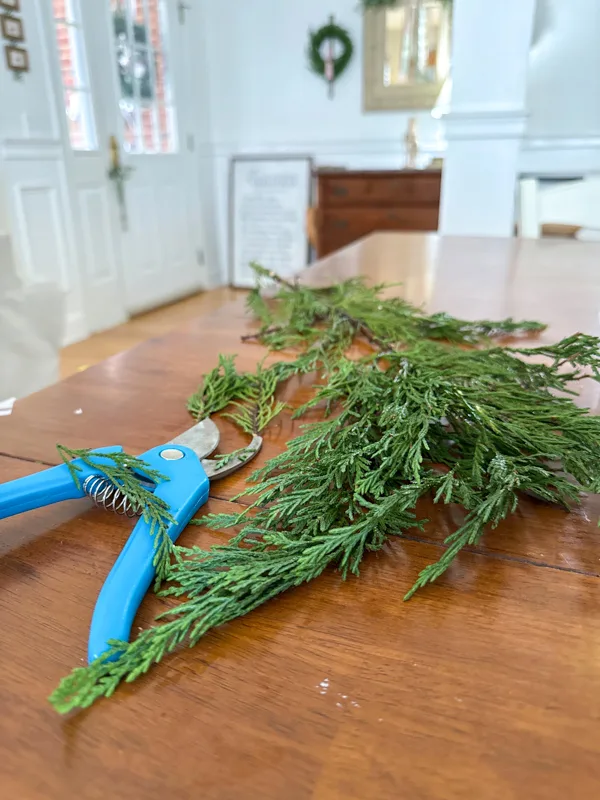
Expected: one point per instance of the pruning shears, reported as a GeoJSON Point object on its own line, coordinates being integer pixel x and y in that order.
{"type": "Point", "coordinates": [188, 472]}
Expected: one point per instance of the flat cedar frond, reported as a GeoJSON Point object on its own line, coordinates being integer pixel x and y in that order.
{"type": "Point", "coordinates": [260, 407]}
{"type": "Point", "coordinates": [436, 409]}
{"type": "Point", "coordinates": [222, 386]}
{"type": "Point", "coordinates": [122, 471]}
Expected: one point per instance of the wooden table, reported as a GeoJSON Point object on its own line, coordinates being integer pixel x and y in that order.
{"type": "Point", "coordinates": [485, 686]}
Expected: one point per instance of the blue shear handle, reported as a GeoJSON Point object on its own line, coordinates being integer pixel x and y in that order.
{"type": "Point", "coordinates": [45, 488]}
{"type": "Point", "coordinates": [186, 490]}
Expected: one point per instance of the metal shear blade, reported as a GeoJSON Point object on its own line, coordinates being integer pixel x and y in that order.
{"type": "Point", "coordinates": [229, 464]}
{"type": "Point", "coordinates": [204, 438]}
{"type": "Point", "coordinates": [183, 461]}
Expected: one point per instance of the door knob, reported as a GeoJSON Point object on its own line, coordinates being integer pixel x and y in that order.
{"type": "Point", "coordinates": [115, 154]}
{"type": "Point", "coordinates": [118, 175]}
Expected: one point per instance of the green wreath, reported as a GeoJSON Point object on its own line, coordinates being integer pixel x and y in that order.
{"type": "Point", "coordinates": [318, 38]}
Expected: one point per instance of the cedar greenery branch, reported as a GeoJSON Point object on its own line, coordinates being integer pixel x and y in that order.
{"type": "Point", "coordinates": [128, 475]}
{"type": "Point", "coordinates": [432, 407]}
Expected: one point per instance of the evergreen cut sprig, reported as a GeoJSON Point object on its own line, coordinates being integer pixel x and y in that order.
{"type": "Point", "coordinates": [130, 475]}
{"type": "Point", "coordinates": [432, 407]}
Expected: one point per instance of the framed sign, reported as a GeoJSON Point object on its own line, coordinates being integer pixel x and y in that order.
{"type": "Point", "coordinates": [17, 59]}
{"type": "Point", "coordinates": [269, 197]}
{"type": "Point", "coordinates": [11, 5]}
{"type": "Point", "coordinates": [12, 28]}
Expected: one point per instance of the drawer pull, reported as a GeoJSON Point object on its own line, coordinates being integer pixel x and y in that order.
{"type": "Point", "coordinates": [339, 191]}
{"type": "Point", "coordinates": [340, 223]}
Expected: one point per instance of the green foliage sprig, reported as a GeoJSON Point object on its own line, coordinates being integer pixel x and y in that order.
{"type": "Point", "coordinates": [433, 408]}
{"type": "Point", "coordinates": [126, 473]}
{"type": "Point", "coordinates": [222, 386]}
{"type": "Point", "coordinates": [328, 320]}
{"type": "Point", "coordinates": [252, 395]}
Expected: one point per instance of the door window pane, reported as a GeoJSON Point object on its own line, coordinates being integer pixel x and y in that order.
{"type": "Point", "coordinates": [74, 75]}
{"type": "Point", "coordinates": [146, 102]}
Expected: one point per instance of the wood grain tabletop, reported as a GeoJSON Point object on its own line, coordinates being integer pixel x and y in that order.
{"type": "Point", "coordinates": [486, 686]}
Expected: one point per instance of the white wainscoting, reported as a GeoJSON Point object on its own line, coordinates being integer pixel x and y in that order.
{"type": "Point", "coordinates": [173, 214]}
{"type": "Point", "coordinates": [541, 156]}
{"type": "Point", "coordinates": [98, 245]}
{"type": "Point", "coordinates": [348, 153]}
{"type": "Point", "coordinates": [41, 226]}
{"type": "Point", "coordinates": [144, 227]}
{"type": "Point", "coordinates": [40, 234]}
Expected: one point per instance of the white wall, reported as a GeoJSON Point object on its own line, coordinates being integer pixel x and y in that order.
{"type": "Point", "coordinates": [264, 99]}
{"type": "Point", "coordinates": [564, 88]}
{"type": "Point", "coordinates": [34, 197]}
{"type": "Point", "coordinates": [27, 105]}
{"type": "Point", "coordinates": [57, 205]}
{"type": "Point", "coordinates": [257, 49]}
{"type": "Point", "coordinates": [260, 97]}
{"type": "Point", "coordinates": [564, 82]}
{"type": "Point", "coordinates": [263, 94]}
{"type": "Point", "coordinates": [201, 124]}
{"type": "Point", "coordinates": [488, 116]}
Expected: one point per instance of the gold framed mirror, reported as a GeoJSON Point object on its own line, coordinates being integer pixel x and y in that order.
{"type": "Point", "coordinates": [407, 54]}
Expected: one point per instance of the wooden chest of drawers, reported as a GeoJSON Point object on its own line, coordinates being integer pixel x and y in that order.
{"type": "Point", "coordinates": [351, 205]}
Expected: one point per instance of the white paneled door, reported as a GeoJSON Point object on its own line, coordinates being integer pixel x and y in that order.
{"type": "Point", "coordinates": [159, 253]}
{"type": "Point", "coordinates": [93, 222]}
{"type": "Point", "coordinates": [123, 84]}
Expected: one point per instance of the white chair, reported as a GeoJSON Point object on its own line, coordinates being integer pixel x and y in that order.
{"type": "Point", "coordinates": [560, 208]}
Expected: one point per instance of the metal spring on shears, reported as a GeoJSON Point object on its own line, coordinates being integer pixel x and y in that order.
{"type": "Point", "coordinates": [106, 495]}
